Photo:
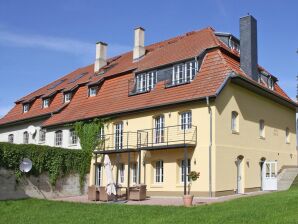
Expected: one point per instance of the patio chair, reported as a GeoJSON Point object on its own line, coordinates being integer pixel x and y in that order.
{"type": "Point", "coordinates": [93, 193]}
{"type": "Point", "coordinates": [103, 196]}
{"type": "Point", "coordinates": [138, 192]}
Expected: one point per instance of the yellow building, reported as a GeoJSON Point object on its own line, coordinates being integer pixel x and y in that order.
{"type": "Point", "coordinates": [190, 103]}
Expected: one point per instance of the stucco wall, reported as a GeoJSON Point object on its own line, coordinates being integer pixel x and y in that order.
{"type": "Point", "coordinates": [251, 108]}
{"type": "Point", "coordinates": [38, 187]}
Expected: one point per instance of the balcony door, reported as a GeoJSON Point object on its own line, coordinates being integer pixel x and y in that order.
{"type": "Point", "coordinates": [159, 129]}
{"type": "Point", "coordinates": [118, 135]}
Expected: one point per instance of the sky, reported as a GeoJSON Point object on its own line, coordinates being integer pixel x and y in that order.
{"type": "Point", "coordinates": [41, 41]}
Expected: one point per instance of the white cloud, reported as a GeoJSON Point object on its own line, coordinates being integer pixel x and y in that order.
{"type": "Point", "coordinates": [66, 45]}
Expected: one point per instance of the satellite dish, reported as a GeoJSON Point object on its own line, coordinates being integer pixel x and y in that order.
{"type": "Point", "coordinates": [31, 130]}
{"type": "Point", "coordinates": [25, 165]}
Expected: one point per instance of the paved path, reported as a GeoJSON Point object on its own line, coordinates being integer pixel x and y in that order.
{"type": "Point", "coordinates": [165, 201]}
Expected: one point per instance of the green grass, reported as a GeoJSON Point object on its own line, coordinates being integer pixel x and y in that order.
{"type": "Point", "coordinates": [279, 207]}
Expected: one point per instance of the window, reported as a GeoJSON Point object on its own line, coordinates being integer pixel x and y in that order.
{"type": "Point", "coordinates": [159, 129]}
{"type": "Point", "coordinates": [118, 135]}
{"type": "Point", "coordinates": [184, 73]}
{"type": "Point", "coordinates": [58, 138]}
{"type": "Point", "coordinates": [185, 120]}
{"type": "Point", "coordinates": [262, 128]}
{"type": "Point", "coordinates": [146, 81]}
{"type": "Point", "coordinates": [93, 91]}
{"type": "Point", "coordinates": [182, 170]}
{"type": "Point", "coordinates": [121, 173]}
{"type": "Point", "coordinates": [134, 169]}
{"type": "Point", "coordinates": [235, 122]}
{"type": "Point", "coordinates": [73, 138]}
{"type": "Point", "coordinates": [101, 134]}
{"type": "Point", "coordinates": [57, 83]}
{"type": "Point", "coordinates": [98, 175]}
{"type": "Point", "coordinates": [46, 103]}
{"type": "Point", "coordinates": [42, 136]}
{"type": "Point", "coordinates": [26, 107]}
{"type": "Point", "coordinates": [25, 137]}
{"type": "Point", "coordinates": [287, 135]}
{"type": "Point", "coordinates": [67, 97]}
{"type": "Point", "coordinates": [159, 172]}
{"type": "Point", "coordinates": [11, 138]}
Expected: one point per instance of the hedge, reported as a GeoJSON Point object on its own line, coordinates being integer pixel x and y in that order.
{"type": "Point", "coordinates": [57, 162]}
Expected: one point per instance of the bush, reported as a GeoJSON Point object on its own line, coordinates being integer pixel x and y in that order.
{"type": "Point", "coordinates": [57, 162]}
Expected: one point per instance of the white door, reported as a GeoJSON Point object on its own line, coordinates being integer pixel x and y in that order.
{"type": "Point", "coordinates": [269, 176]}
{"type": "Point", "coordinates": [239, 177]}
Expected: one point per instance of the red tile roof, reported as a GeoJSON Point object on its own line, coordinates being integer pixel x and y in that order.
{"type": "Point", "coordinates": [113, 95]}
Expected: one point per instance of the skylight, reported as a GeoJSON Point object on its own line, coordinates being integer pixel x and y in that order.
{"type": "Point", "coordinates": [56, 84]}
{"type": "Point", "coordinates": [77, 77]}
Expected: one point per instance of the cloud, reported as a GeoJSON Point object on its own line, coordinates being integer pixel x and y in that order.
{"type": "Point", "coordinates": [66, 45]}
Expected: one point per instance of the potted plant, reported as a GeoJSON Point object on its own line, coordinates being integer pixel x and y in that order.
{"type": "Point", "coordinates": [188, 198]}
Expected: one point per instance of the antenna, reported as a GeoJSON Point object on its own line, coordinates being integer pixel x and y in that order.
{"type": "Point", "coordinates": [25, 165]}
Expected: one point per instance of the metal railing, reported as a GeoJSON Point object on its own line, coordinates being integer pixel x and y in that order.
{"type": "Point", "coordinates": [167, 136]}
{"type": "Point", "coordinates": [119, 141]}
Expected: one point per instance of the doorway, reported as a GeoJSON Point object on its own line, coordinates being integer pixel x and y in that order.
{"type": "Point", "coordinates": [269, 176]}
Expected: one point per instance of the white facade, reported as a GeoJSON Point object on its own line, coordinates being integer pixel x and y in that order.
{"type": "Point", "coordinates": [18, 131]}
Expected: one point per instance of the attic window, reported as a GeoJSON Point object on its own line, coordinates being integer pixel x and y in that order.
{"type": "Point", "coordinates": [26, 108]}
{"type": "Point", "coordinates": [146, 81]}
{"type": "Point", "coordinates": [266, 79]}
{"type": "Point", "coordinates": [46, 103]}
{"type": "Point", "coordinates": [56, 84]}
{"type": "Point", "coordinates": [93, 91]}
{"type": "Point", "coordinates": [67, 97]}
{"type": "Point", "coordinates": [77, 77]}
{"type": "Point", "coordinates": [234, 45]}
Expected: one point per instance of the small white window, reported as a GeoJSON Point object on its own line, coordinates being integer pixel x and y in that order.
{"type": "Point", "coordinates": [46, 103]}
{"type": "Point", "coordinates": [159, 172]}
{"type": "Point", "coordinates": [118, 135]}
{"type": "Point", "coordinates": [93, 91]}
{"type": "Point", "coordinates": [262, 128]}
{"type": "Point", "coordinates": [67, 97]}
{"type": "Point", "coordinates": [11, 138]}
{"type": "Point", "coordinates": [58, 138]}
{"type": "Point", "coordinates": [287, 135]}
{"type": "Point", "coordinates": [235, 122]}
{"type": "Point", "coordinates": [42, 136]}
{"type": "Point", "coordinates": [186, 120]}
{"type": "Point", "coordinates": [73, 138]}
{"type": "Point", "coordinates": [134, 169]}
{"type": "Point", "coordinates": [26, 107]}
{"type": "Point", "coordinates": [182, 170]}
{"type": "Point", "coordinates": [101, 134]}
{"type": "Point", "coordinates": [121, 173]}
{"type": "Point", "coordinates": [98, 175]}
{"type": "Point", "coordinates": [25, 137]}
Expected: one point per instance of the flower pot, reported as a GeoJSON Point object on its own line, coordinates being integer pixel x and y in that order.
{"type": "Point", "coordinates": [187, 199]}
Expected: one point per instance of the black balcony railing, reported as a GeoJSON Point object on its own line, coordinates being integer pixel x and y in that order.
{"type": "Point", "coordinates": [170, 136]}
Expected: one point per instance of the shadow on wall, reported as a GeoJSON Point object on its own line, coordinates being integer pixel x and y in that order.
{"type": "Point", "coordinates": [39, 187]}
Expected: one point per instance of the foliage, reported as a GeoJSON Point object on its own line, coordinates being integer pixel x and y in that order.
{"type": "Point", "coordinates": [193, 177]}
{"type": "Point", "coordinates": [57, 162]}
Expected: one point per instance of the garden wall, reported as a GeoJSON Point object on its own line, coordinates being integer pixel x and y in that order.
{"type": "Point", "coordinates": [39, 187]}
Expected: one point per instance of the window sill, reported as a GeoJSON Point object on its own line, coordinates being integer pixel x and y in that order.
{"type": "Point", "coordinates": [170, 85]}
{"type": "Point", "coordinates": [156, 186]}
{"type": "Point", "coordinates": [262, 138]}
{"type": "Point", "coordinates": [235, 132]}
{"type": "Point", "coordinates": [72, 145]}
{"type": "Point", "coordinates": [139, 93]}
{"type": "Point", "coordinates": [41, 143]}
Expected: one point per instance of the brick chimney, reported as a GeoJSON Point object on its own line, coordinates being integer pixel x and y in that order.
{"type": "Point", "coordinates": [139, 43]}
{"type": "Point", "coordinates": [248, 46]}
{"type": "Point", "coordinates": [101, 56]}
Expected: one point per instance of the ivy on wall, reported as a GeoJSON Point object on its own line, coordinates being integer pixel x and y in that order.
{"type": "Point", "coordinates": [57, 162]}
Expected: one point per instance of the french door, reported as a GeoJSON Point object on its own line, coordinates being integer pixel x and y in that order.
{"type": "Point", "coordinates": [159, 129]}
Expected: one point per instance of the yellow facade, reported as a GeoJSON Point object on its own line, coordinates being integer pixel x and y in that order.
{"type": "Point", "coordinates": [226, 145]}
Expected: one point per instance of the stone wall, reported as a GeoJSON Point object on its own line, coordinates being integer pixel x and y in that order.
{"type": "Point", "coordinates": [39, 187]}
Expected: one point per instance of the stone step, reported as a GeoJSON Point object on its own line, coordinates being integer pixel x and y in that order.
{"type": "Point", "coordinates": [286, 178]}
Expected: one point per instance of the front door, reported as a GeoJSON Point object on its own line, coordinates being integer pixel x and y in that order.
{"type": "Point", "coordinates": [240, 176]}
{"type": "Point", "coordinates": [269, 176]}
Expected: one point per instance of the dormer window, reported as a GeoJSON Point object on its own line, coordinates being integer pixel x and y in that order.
{"type": "Point", "coordinates": [145, 81]}
{"type": "Point", "coordinates": [26, 108]}
{"type": "Point", "coordinates": [67, 97]}
{"type": "Point", "coordinates": [184, 73]}
{"type": "Point", "coordinates": [92, 91]}
{"type": "Point", "coordinates": [46, 103]}
{"type": "Point", "coordinates": [267, 80]}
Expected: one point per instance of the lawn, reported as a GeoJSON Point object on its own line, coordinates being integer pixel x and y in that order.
{"type": "Point", "coordinates": [279, 207]}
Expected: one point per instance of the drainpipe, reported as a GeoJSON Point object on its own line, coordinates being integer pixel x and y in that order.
{"type": "Point", "coordinates": [210, 147]}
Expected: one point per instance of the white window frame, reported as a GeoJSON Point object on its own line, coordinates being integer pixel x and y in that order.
{"type": "Point", "coordinates": [146, 81]}
{"type": "Point", "coordinates": [98, 174]}
{"type": "Point", "coordinates": [73, 138]}
{"type": "Point", "coordinates": [287, 132]}
{"type": "Point", "coordinates": [93, 91]}
{"type": "Point", "coordinates": [235, 122]}
{"type": "Point", "coordinates": [26, 107]}
{"type": "Point", "coordinates": [67, 97]}
{"type": "Point", "coordinates": [181, 177]}
{"type": "Point", "coordinates": [134, 173]}
{"type": "Point", "coordinates": [262, 129]}
{"type": "Point", "coordinates": [185, 120]}
{"type": "Point", "coordinates": [159, 129]}
{"type": "Point", "coordinates": [46, 103]}
{"type": "Point", "coordinates": [121, 173]}
{"type": "Point", "coordinates": [184, 72]}
{"type": "Point", "coordinates": [42, 136]}
{"type": "Point", "coordinates": [118, 135]}
{"type": "Point", "coordinates": [11, 138]}
{"type": "Point", "coordinates": [25, 137]}
{"type": "Point", "coordinates": [58, 141]}
{"type": "Point", "coordinates": [159, 172]}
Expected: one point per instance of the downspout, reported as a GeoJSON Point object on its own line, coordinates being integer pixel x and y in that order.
{"type": "Point", "coordinates": [210, 146]}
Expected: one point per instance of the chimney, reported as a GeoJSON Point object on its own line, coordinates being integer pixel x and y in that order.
{"type": "Point", "coordinates": [101, 56]}
{"type": "Point", "coordinates": [248, 46]}
{"type": "Point", "coordinates": [139, 44]}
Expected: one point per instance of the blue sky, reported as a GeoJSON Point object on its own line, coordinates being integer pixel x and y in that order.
{"type": "Point", "coordinates": [43, 40]}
